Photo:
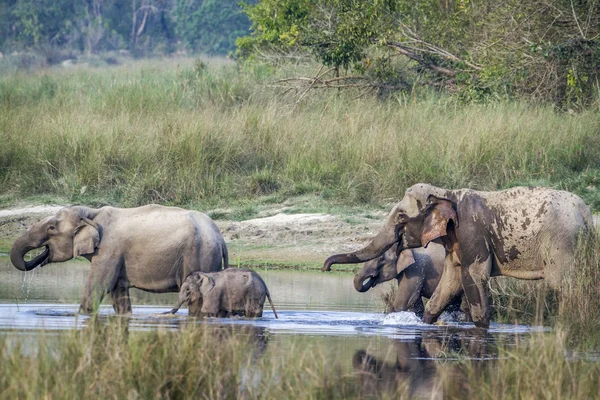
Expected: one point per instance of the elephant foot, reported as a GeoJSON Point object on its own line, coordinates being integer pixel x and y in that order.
{"type": "Point", "coordinates": [482, 324]}
{"type": "Point", "coordinates": [429, 318]}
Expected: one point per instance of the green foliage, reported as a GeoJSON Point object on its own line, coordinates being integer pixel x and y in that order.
{"type": "Point", "coordinates": [140, 26]}
{"type": "Point", "coordinates": [477, 49]}
{"type": "Point", "coordinates": [210, 26]}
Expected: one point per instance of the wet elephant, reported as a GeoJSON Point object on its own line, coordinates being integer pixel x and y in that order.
{"type": "Point", "coordinates": [152, 248]}
{"type": "Point", "coordinates": [523, 232]}
{"type": "Point", "coordinates": [226, 293]}
{"type": "Point", "coordinates": [418, 272]}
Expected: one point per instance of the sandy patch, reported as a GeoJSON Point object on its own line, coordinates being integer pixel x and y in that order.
{"type": "Point", "coordinates": [47, 210]}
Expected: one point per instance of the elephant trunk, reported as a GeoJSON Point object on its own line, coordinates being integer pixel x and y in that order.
{"type": "Point", "coordinates": [379, 245]}
{"type": "Point", "coordinates": [361, 284]}
{"type": "Point", "coordinates": [18, 251]}
{"type": "Point", "coordinates": [176, 308]}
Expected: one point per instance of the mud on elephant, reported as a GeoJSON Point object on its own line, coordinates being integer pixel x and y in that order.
{"type": "Point", "coordinates": [523, 232]}
{"type": "Point", "coordinates": [232, 292]}
{"type": "Point", "coordinates": [418, 272]}
{"type": "Point", "coordinates": [152, 248]}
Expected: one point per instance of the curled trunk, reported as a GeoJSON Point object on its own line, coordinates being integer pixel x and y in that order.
{"type": "Point", "coordinates": [360, 285]}
{"type": "Point", "coordinates": [22, 247]}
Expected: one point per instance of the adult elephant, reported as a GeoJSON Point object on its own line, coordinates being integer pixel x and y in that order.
{"type": "Point", "coordinates": [418, 272]}
{"type": "Point", "coordinates": [523, 232]}
{"type": "Point", "coordinates": [153, 248]}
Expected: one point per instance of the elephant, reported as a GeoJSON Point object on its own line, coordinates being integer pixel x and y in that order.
{"type": "Point", "coordinates": [418, 272]}
{"type": "Point", "coordinates": [522, 232]}
{"type": "Point", "coordinates": [231, 292]}
{"type": "Point", "coordinates": [152, 248]}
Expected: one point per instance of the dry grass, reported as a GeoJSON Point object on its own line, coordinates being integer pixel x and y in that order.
{"type": "Point", "coordinates": [188, 135]}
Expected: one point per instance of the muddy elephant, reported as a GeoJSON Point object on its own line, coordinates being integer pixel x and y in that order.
{"type": "Point", "coordinates": [418, 272]}
{"type": "Point", "coordinates": [226, 293]}
{"type": "Point", "coordinates": [523, 232]}
{"type": "Point", "coordinates": [152, 248]}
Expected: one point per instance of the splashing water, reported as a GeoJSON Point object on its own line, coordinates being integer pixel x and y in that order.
{"type": "Point", "coordinates": [402, 318]}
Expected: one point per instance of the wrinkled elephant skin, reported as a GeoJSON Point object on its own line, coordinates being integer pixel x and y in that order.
{"type": "Point", "coordinates": [152, 248]}
{"type": "Point", "coordinates": [523, 232]}
{"type": "Point", "coordinates": [231, 292]}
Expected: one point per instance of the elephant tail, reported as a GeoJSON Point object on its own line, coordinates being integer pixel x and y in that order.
{"type": "Point", "coordinates": [271, 303]}
{"type": "Point", "coordinates": [225, 256]}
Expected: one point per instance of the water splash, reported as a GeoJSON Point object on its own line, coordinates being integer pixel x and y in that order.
{"type": "Point", "coordinates": [402, 318]}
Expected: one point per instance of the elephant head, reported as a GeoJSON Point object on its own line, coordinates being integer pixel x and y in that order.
{"type": "Point", "coordinates": [70, 233]}
{"type": "Point", "coordinates": [195, 286]}
{"type": "Point", "coordinates": [424, 214]}
{"type": "Point", "coordinates": [383, 269]}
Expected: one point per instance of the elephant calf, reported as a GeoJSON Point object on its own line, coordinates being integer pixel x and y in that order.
{"type": "Point", "coordinates": [225, 293]}
{"type": "Point", "coordinates": [418, 272]}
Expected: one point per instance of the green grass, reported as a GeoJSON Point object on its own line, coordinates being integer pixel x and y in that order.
{"type": "Point", "coordinates": [214, 134]}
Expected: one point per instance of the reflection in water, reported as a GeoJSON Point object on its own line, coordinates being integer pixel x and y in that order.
{"type": "Point", "coordinates": [386, 353]}
{"type": "Point", "coordinates": [420, 366]}
{"type": "Point", "coordinates": [300, 290]}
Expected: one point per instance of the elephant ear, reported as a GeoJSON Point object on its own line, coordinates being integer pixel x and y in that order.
{"type": "Point", "coordinates": [405, 260]}
{"type": "Point", "coordinates": [439, 213]}
{"type": "Point", "coordinates": [86, 237]}
{"type": "Point", "coordinates": [208, 284]}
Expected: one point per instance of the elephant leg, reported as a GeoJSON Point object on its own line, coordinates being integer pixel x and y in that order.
{"type": "Point", "coordinates": [120, 299]}
{"type": "Point", "coordinates": [410, 285]}
{"type": "Point", "coordinates": [464, 306]}
{"type": "Point", "coordinates": [475, 277]}
{"type": "Point", "coordinates": [418, 308]}
{"type": "Point", "coordinates": [102, 278]}
{"type": "Point", "coordinates": [448, 288]}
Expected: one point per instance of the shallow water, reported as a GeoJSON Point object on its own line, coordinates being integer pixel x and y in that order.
{"type": "Point", "coordinates": [316, 307]}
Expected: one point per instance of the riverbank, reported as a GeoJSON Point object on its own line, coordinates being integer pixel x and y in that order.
{"type": "Point", "coordinates": [289, 235]}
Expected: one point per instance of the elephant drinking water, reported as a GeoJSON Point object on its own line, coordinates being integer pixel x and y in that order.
{"type": "Point", "coordinates": [152, 248]}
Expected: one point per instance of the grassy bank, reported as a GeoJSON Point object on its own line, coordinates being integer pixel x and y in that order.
{"type": "Point", "coordinates": [202, 361]}
{"type": "Point", "coordinates": [209, 134]}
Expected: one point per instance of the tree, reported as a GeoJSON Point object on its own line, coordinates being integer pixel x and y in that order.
{"type": "Point", "coordinates": [543, 49]}
{"type": "Point", "coordinates": [210, 26]}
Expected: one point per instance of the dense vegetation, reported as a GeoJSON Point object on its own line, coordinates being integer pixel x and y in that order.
{"type": "Point", "coordinates": [476, 49]}
{"type": "Point", "coordinates": [175, 132]}
{"type": "Point", "coordinates": [62, 29]}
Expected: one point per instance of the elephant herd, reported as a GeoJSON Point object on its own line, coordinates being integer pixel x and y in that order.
{"type": "Point", "coordinates": [438, 243]}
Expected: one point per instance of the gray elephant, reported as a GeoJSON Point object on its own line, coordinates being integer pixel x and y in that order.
{"type": "Point", "coordinates": [152, 248]}
{"type": "Point", "coordinates": [226, 293]}
{"type": "Point", "coordinates": [418, 272]}
{"type": "Point", "coordinates": [523, 232]}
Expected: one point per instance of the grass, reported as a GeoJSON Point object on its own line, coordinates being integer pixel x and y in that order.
{"type": "Point", "coordinates": [207, 134]}
{"type": "Point", "coordinates": [105, 360]}
{"type": "Point", "coordinates": [213, 135]}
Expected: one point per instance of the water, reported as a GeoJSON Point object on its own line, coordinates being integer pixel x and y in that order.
{"type": "Point", "coordinates": [312, 306]}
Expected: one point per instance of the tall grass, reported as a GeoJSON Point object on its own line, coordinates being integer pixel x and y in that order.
{"type": "Point", "coordinates": [208, 132]}
{"type": "Point", "coordinates": [543, 368]}
{"type": "Point", "coordinates": [105, 360]}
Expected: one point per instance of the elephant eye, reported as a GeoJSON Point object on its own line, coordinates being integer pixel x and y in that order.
{"type": "Point", "coordinates": [51, 228]}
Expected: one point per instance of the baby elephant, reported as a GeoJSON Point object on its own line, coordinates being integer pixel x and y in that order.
{"type": "Point", "coordinates": [225, 293]}
{"type": "Point", "coordinates": [418, 272]}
